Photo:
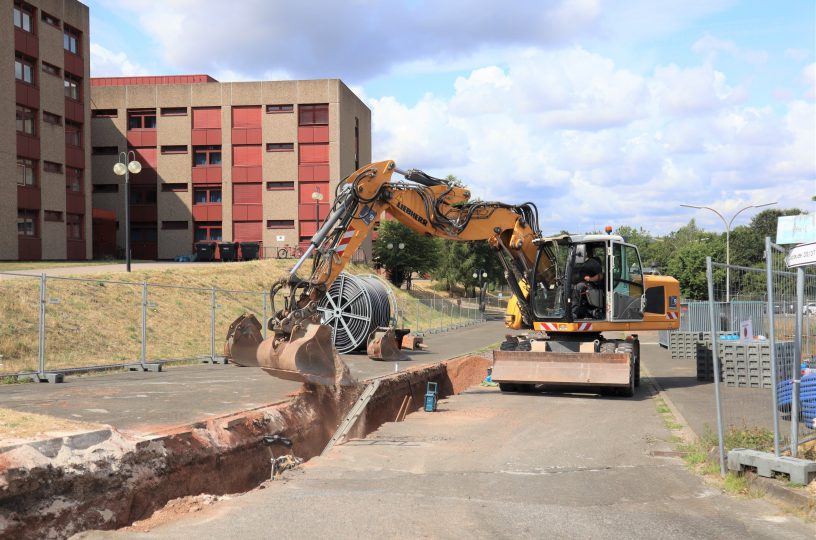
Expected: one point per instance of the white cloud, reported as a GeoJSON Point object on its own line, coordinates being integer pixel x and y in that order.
{"type": "Point", "coordinates": [710, 47]}
{"type": "Point", "coordinates": [107, 63]}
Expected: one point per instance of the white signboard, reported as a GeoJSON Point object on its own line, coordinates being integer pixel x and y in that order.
{"type": "Point", "coordinates": [746, 332]}
{"type": "Point", "coordinates": [280, 238]}
{"type": "Point", "coordinates": [796, 229]}
{"type": "Point", "coordinates": [803, 255]}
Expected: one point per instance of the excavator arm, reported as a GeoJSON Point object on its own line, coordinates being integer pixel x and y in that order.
{"type": "Point", "coordinates": [300, 348]}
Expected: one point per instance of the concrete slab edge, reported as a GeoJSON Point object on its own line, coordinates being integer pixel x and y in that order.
{"type": "Point", "coordinates": [686, 433]}
{"type": "Point", "coordinates": [783, 494]}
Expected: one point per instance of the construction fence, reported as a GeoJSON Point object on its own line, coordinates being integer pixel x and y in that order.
{"type": "Point", "coordinates": [52, 324]}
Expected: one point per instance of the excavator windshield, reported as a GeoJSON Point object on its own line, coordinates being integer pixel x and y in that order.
{"type": "Point", "coordinates": [548, 298]}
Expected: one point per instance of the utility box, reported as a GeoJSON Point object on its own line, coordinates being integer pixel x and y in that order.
{"type": "Point", "coordinates": [431, 397]}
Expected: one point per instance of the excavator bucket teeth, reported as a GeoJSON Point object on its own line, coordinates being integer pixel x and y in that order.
{"type": "Point", "coordinates": [382, 345]}
{"type": "Point", "coordinates": [569, 369]}
{"type": "Point", "coordinates": [307, 355]}
{"type": "Point", "coordinates": [242, 342]}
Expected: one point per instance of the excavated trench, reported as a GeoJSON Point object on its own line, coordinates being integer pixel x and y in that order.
{"type": "Point", "coordinates": [108, 481]}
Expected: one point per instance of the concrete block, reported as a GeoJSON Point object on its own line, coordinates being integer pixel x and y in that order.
{"type": "Point", "coordinates": [222, 360]}
{"type": "Point", "coordinates": [155, 367]}
{"type": "Point", "coordinates": [800, 471]}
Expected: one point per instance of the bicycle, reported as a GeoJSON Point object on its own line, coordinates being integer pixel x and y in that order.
{"type": "Point", "coordinates": [289, 252]}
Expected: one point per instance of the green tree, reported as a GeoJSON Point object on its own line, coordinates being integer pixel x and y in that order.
{"type": "Point", "coordinates": [419, 254]}
{"type": "Point", "coordinates": [688, 264]}
{"type": "Point", "coordinates": [458, 261]}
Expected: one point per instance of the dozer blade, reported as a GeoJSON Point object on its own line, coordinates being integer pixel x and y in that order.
{"type": "Point", "coordinates": [308, 356]}
{"type": "Point", "coordinates": [243, 337]}
{"type": "Point", "coordinates": [578, 369]}
{"type": "Point", "coordinates": [382, 345]}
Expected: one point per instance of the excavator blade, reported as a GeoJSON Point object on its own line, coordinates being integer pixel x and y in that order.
{"type": "Point", "coordinates": [243, 337]}
{"type": "Point", "coordinates": [555, 368]}
{"type": "Point", "coordinates": [307, 355]}
{"type": "Point", "coordinates": [382, 345]}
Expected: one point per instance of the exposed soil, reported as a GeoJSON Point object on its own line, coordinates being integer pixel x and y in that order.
{"type": "Point", "coordinates": [58, 490]}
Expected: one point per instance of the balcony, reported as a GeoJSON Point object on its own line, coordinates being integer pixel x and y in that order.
{"type": "Point", "coordinates": [27, 94]}
{"type": "Point", "coordinates": [247, 173]}
{"type": "Point", "coordinates": [74, 64]}
{"type": "Point", "coordinates": [207, 175]}
{"type": "Point", "coordinates": [247, 212]}
{"type": "Point", "coordinates": [206, 137]}
{"type": "Point", "coordinates": [28, 197]}
{"type": "Point", "coordinates": [311, 173]}
{"type": "Point", "coordinates": [28, 146]}
{"type": "Point", "coordinates": [74, 202]}
{"type": "Point", "coordinates": [313, 134]}
{"type": "Point", "coordinates": [246, 135]}
{"type": "Point", "coordinates": [207, 212]}
{"type": "Point", "coordinates": [29, 249]}
{"type": "Point", "coordinates": [26, 43]}
{"type": "Point", "coordinates": [74, 156]}
{"type": "Point", "coordinates": [76, 249]}
{"type": "Point", "coordinates": [74, 110]}
{"type": "Point", "coordinates": [141, 137]}
{"type": "Point", "coordinates": [143, 213]}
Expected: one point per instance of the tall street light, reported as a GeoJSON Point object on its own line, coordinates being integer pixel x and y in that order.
{"type": "Point", "coordinates": [399, 247]}
{"type": "Point", "coordinates": [317, 197]}
{"type": "Point", "coordinates": [482, 286]}
{"type": "Point", "coordinates": [127, 164]}
{"type": "Point", "coordinates": [727, 239]}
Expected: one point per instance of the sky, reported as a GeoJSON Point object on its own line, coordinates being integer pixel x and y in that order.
{"type": "Point", "coordinates": [602, 112]}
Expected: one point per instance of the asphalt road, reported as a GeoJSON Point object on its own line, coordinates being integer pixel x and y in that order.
{"type": "Point", "coordinates": [152, 402]}
{"type": "Point", "coordinates": [492, 465]}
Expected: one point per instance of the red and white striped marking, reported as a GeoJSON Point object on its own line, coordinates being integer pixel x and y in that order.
{"type": "Point", "coordinates": [341, 246]}
{"type": "Point", "coordinates": [672, 315]}
{"type": "Point", "coordinates": [585, 327]}
{"type": "Point", "coordinates": [553, 327]}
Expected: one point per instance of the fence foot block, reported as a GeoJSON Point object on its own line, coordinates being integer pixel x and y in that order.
{"type": "Point", "coordinates": [215, 360]}
{"type": "Point", "coordinates": [54, 378]}
{"type": "Point", "coordinates": [800, 471]}
{"type": "Point", "coordinates": [145, 367]}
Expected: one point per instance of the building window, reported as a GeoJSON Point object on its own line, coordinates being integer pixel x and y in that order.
{"type": "Point", "coordinates": [144, 234]}
{"type": "Point", "coordinates": [274, 109]}
{"type": "Point", "coordinates": [23, 17]}
{"type": "Point", "coordinates": [53, 119]}
{"type": "Point", "coordinates": [105, 150]}
{"type": "Point", "coordinates": [72, 85]}
{"type": "Point", "coordinates": [174, 149]}
{"type": "Point", "coordinates": [52, 215]}
{"type": "Point", "coordinates": [279, 186]}
{"type": "Point", "coordinates": [51, 69]}
{"type": "Point", "coordinates": [175, 225]}
{"type": "Point", "coordinates": [105, 188]}
{"type": "Point", "coordinates": [104, 113]}
{"type": "Point", "coordinates": [26, 172]}
{"type": "Point", "coordinates": [71, 39]}
{"type": "Point", "coordinates": [24, 69]}
{"type": "Point", "coordinates": [73, 179]}
{"type": "Point", "coordinates": [280, 223]}
{"type": "Point", "coordinates": [27, 222]}
{"type": "Point", "coordinates": [207, 196]}
{"type": "Point", "coordinates": [280, 147]}
{"type": "Point", "coordinates": [142, 119]}
{"type": "Point", "coordinates": [51, 167]}
{"type": "Point", "coordinates": [204, 156]}
{"type": "Point", "coordinates": [174, 187]}
{"type": "Point", "coordinates": [73, 226]}
{"type": "Point", "coordinates": [313, 115]}
{"type": "Point", "coordinates": [174, 111]}
{"type": "Point", "coordinates": [50, 19]}
{"type": "Point", "coordinates": [73, 133]}
{"type": "Point", "coordinates": [26, 120]}
{"type": "Point", "coordinates": [207, 230]}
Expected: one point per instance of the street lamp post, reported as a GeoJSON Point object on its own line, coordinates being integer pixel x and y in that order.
{"type": "Point", "coordinates": [482, 286]}
{"type": "Point", "coordinates": [126, 165]}
{"type": "Point", "coordinates": [317, 197]}
{"type": "Point", "coordinates": [399, 247]}
{"type": "Point", "coordinates": [727, 239]}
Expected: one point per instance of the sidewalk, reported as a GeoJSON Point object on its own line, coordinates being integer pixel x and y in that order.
{"type": "Point", "coordinates": [149, 403]}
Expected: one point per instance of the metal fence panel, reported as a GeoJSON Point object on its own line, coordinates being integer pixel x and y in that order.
{"type": "Point", "coordinates": [19, 324]}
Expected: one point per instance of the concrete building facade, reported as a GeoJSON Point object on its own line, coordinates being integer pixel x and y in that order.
{"type": "Point", "coordinates": [45, 195]}
{"type": "Point", "coordinates": [235, 162]}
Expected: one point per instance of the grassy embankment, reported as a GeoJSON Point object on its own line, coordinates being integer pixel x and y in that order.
{"type": "Point", "coordinates": [100, 323]}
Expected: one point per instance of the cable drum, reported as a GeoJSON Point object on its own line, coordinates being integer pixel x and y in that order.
{"type": "Point", "coordinates": [353, 307]}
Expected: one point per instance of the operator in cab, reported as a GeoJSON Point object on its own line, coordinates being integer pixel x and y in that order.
{"type": "Point", "coordinates": [588, 292]}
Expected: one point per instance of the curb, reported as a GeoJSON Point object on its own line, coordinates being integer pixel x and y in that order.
{"type": "Point", "coordinates": [686, 433]}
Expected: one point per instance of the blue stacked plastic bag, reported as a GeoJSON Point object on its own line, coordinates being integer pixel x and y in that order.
{"type": "Point", "coordinates": [807, 397]}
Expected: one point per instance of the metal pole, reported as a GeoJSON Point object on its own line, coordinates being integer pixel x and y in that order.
{"type": "Point", "coordinates": [433, 308]}
{"type": "Point", "coordinates": [772, 338]}
{"type": "Point", "coordinates": [41, 347]}
{"type": "Point", "coordinates": [797, 360]}
{"type": "Point", "coordinates": [728, 265]}
{"type": "Point", "coordinates": [715, 352]}
{"type": "Point", "coordinates": [417, 314]}
{"type": "Point", "coordinates": [264, 316]}
{"type": "Point", "coordinates": [127, 218]}
{"type": "Point", "coordinates": [144, 324]}
{"type": "Point", "coordinates": [212, 325]}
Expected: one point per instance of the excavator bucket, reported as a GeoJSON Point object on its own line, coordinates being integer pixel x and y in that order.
{"type": "Point", "coordinates": [579, 369]}
{"type": "Point", "coordinates": [382, 345]}
{"type": "Point", "coordinates": [306, 355]}
{"type": "Point", "coordinates": [243, 337]}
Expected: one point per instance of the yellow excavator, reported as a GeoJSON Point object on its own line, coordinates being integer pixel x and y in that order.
{"type": "Point", "coordinates": [566, 317]}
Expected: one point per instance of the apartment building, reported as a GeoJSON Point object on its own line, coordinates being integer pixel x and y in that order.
{"type": "Point", "coordinates": [45, 206]}
{"type": "Point", "coordinates": [223, 161]}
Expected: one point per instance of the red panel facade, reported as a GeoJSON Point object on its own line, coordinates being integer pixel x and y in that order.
{"type": "Point", "coordinates": [247, 194]}
{"type": "Point", "coordinates": [27, 95]}
{"type": "Point", "coordinates": [207, 212]}
{"type": "Point", "coordinates": [74, 64]}
{"type": "Point", "coordinates": [305, 191]}
{"type": "Point", "coordinates": [74, 203]}
{"type": "Point", "coordinates": [307, 211]}
{"type": "Point", "coordinates": [74, 110]}
{"type": "Point", "coordinates": [28, 197]}
{"type": "Point", "coordinates": [74, 157]}
{"type": "Point", "coordinates": [147, 157]}
{"type": "Point", "coordinates": [247, 174]}
{"type": "Point", "coordinates": [246, 117]}
{"type": "Point", "coordinates": [147, 177]}
{"type": "Point", "coordinates": [206, 137]}
{"type": "Point", "coordinates": [312, 173]}
{"type": "Point", "coordinates": [247, 155]}
{"type": "Point", "coordinates": [141, 137]}
{"type": "Point", "coordinates": [28, 146]}
{"type": "Point", "coordinates": [29, 249]}
{"type": "Point", "coordinates": [313, 134]}
{"type": "Point", "coordinates": [151, 80]}
{"type": "Point", "coordinates": [206, 118]}
{"type": "Point", "coordinates": [143, 212]}
{"type": "Point", "coordinates": [313, 153]}
{"type": "Point", "coordinates": [26, 43]}
{"type": "Point", "coordinates": [247, 212]}
{"type": "Point", "coordinates": [206, 175]}
{"type": "Point", "coordinates": [76, 249]}
{"type": "Point", "coordinates": [246, 136]}
{"type": "Point", "coordinates": [248, 231]}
